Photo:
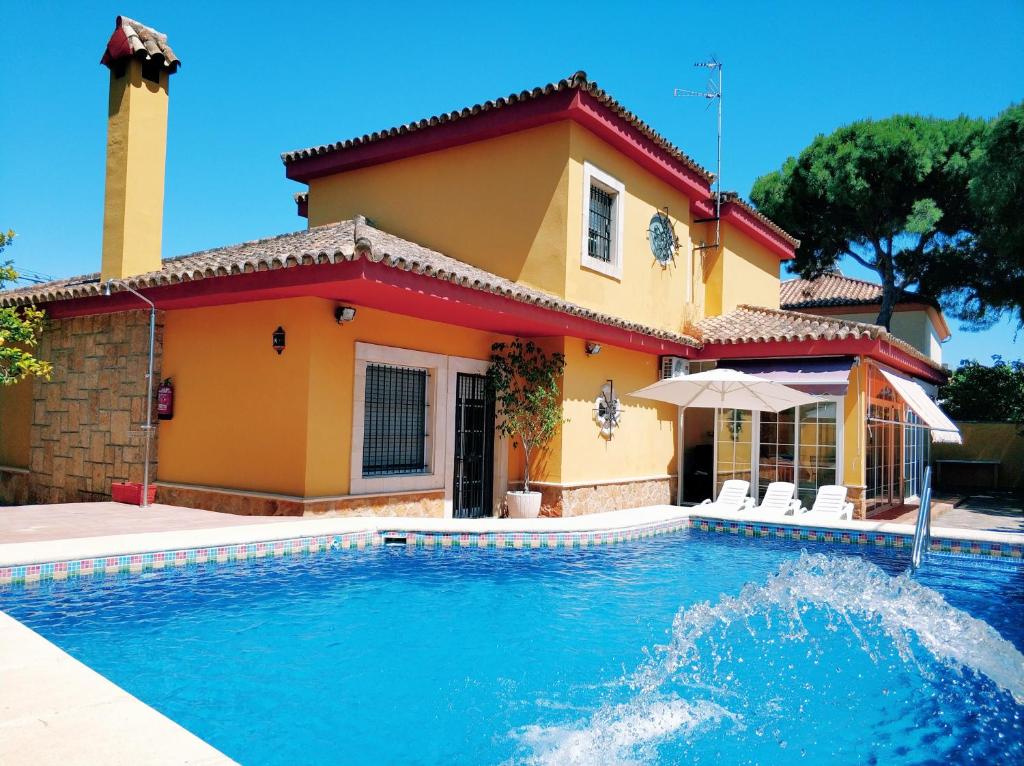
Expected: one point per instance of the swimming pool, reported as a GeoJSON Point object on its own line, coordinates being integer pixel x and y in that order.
{"type": "Point", "coordinates": [689, 647]}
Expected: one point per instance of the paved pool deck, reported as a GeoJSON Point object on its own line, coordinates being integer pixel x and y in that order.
{"type": "Point", "coordinates": [55, 711]}
{"type": "Point", "coordinates": [995, 512]}
{"type": "Point", "coordinates": [36, 523]}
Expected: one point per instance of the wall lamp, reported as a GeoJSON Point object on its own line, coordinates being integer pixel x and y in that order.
{"type": "Point", "coordinates": [278, 340]}
{"type": "Point", "coordinates": [592, 349]}
{"type": "Point", "coordinates": [344, 314]}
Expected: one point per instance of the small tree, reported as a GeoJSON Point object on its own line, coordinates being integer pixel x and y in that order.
{"type": "Point", "coordinates": [978, 392]}
{"type": "Point", "coordinates": [524, 381]}
{"type": "Point", "coordinates": [19, 332]}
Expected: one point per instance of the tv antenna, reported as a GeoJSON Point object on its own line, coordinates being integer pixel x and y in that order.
{"type": "Point", "coordinates": [713, 94]}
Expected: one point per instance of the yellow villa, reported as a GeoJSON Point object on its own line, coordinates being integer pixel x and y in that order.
{"type": "Point", "coordinates": [332, 368]}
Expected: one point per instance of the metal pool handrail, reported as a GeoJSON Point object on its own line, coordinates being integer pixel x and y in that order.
{"type": "Point", "coordinates": [923, 530]}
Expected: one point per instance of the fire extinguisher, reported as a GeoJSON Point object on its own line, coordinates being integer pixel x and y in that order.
{"type": "Point", "coordinates": [165, 400]}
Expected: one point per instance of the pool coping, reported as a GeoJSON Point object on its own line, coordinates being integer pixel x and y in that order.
{"type": "Point", "coordinates": [56, 711]}
{"type": "Point", "coordinates": [58, 559]}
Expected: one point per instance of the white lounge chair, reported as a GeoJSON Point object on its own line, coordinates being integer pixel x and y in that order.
{"type": "Point", "coordinates": [778, 500]}
{"type": "Point", "coordinates": [733, 498]}
{"type": "Point", "coordinates": [829, 505]}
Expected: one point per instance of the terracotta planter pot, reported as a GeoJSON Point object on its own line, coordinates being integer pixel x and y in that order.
{"type": "Point", "coordinates": [523, 505]}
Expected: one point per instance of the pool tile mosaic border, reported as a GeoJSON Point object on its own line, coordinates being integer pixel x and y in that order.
{"type": "Point", "coordinates": [141, 562]}
{"type": "Point", "coordinates": [220, 554]}
{"type": "Point", "coordinates": [768, 530]}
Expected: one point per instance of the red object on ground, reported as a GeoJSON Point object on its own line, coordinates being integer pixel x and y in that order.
{"type": "Point", "coordinates": [131, 492]}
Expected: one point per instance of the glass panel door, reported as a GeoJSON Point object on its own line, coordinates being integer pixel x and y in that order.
{"type": "Point", "coordinates": [884, 442]}
{"type": "Point", "coordinates": [777, 449]}
{"type": "Point", "coordinates": [734, 431]}
{"type": "Point", "coordinates": [817, 440]}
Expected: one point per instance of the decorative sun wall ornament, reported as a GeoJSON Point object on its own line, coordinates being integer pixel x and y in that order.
{"type": "Point", "coordinates": [662, 238]}
{"type": "Point", "coordinates": [607, 410]}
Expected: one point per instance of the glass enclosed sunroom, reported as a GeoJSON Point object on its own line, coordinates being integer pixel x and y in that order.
{"type": "Point", "coordinates": [871, 430]}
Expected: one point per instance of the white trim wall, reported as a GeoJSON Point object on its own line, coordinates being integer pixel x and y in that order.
{"type": "Point", "coordinates": [593, 176]}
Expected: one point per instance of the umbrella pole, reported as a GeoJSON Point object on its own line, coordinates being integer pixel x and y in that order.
{"type": "Point", "coordinates": [679, 458]}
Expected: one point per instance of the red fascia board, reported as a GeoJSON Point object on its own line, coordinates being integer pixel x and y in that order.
{"type": "Point", "coordinates": [757, 231]}
{"type": "Point", "coordinates": [871, 347]}
{"type": "Point", "coordinates": [382, 287]}
{"type": "Point", "coordinates": [575, 105]}
{"type": "Point", "coordinates": [737, 216]}
{"type": "Point", "coordinates": [444, 135]}
{"type": "Point", "coordinates": [616, 131]}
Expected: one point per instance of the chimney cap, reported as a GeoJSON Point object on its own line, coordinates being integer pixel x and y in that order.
{"type": "Point", "coordinates": [133, 39]}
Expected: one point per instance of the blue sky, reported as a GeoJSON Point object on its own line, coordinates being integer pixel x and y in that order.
{"type": "Point", "coordinates": [260, 78]}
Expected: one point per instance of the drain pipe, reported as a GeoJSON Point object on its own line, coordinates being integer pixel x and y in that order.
{"type": "Point", "coordinates": [144, 501]}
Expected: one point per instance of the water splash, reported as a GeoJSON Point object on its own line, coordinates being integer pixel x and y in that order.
{"type": "Point", "coordinates": [856, 592]}
{"type": "Point", "coordinates": [621, 735]}
{"type": "Point", "coordinates": [788, 663]}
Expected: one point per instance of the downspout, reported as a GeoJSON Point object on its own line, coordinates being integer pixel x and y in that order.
{"type": "Point", "coordinates": [144, 502]}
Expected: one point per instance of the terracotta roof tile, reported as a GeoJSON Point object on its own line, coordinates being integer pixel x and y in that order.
{"type": "Point", "coordinates": [578, 81]}
{"type": "Point", "coordinates": [133, 39]}
{"type": "Point", "coordinates": [756, 324]}
{"type": "Point", "coordinates": [837, 290]}
{"type": "Point", "coordinates": [333, 243]}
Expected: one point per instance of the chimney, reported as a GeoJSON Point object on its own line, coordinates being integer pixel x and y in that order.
{"type": "Point", "coordinates": [141, 64]}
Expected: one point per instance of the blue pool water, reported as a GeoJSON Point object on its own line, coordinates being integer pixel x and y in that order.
{"type": "Point", "coordinates": [689, 647]}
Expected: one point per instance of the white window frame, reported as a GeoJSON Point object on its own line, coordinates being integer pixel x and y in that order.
{"type": "Point", "coordinates": [594, 176]}
{"type": "Point", "coordinates": [441, 394]}
{"type": "Point", "coordinates": [755, 446]}
{"type": "Point", "coordinates": [437, 395]}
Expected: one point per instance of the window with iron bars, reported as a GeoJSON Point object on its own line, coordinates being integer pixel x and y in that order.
{"type": "Point", "coordinates": [599, 245]}
{"type": "Point", "coordinates": [395, 420]}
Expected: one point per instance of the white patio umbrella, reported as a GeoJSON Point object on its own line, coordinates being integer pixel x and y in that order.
{"type": "Point", "coordinates": [722, 388]}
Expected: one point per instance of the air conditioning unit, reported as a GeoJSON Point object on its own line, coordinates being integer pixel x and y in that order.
{"type": "Point", "coordinates": [673, 367]}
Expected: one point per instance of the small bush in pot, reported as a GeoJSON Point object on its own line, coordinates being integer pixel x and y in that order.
{"type": "Point", "coordinates": [524, 380]}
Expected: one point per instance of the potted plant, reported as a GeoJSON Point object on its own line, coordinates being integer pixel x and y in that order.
{"type": "Point", "coordinates": [524, 381]}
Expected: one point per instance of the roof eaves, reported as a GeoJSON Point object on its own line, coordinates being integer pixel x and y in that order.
{"type": "Point", "coordinates": [578, 81]}
{"type": "Point", "coordinates": [333, 243]}
{"type": "Point", "coordinates": [811, 327]}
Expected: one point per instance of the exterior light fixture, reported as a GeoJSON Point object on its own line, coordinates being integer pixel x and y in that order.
{"type": "Point", "coordinates": [278, 339]}
{"type": "Point", "coordinates": [344, 314]}
{"type": "Point", "coordinates": [592, 349]}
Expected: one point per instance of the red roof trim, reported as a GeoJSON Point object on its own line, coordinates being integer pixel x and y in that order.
{"type": "Point", "coordinates": [570, 104]}
{"type": "Point", "coordinates": [738, 216]}
{"type": "Point", "coordinates": [877, 349]}
{"type": "Point", "coordinates": [382, 287]}
{"type": "Point", "coordinates": [117, 46]}
{"type": "Point", "coordinates": [487, 124]}
{"type": "Point", "coordinates": [614, 130]}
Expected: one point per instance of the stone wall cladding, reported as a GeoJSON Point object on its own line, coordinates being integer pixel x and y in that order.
{"type": "Point", "coordinates": [596, 498]}
{"type": "Point", "coordinates": [420, 504]}
{"type": "Point", "coordinates": [87, 419]}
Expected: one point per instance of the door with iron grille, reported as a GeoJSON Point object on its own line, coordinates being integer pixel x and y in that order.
{"type": "Point", "coordinates": [474, 448]}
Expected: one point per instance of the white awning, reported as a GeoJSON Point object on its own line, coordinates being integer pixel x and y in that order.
{"type": "Point", "coordinates": [943, 429]}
